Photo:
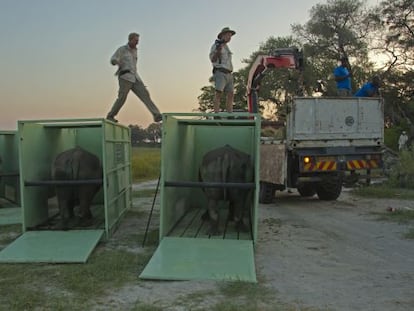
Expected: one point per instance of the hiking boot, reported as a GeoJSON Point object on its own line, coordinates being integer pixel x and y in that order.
{"type": "Point", "coordinates": [112, 119]}
{"type": "Point", "coordinates": [157, 118]}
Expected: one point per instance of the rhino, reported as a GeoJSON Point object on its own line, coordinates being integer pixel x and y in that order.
{"type": "Point", "coordinates": [226, 165]}
{"type": "Point", "coordinates": [71, 165]}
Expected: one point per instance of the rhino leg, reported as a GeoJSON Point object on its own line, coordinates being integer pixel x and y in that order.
{"type": "Point", "coordinates": [71, 207]}
{"type": "Point", "coordinates": [65, 203]}
{"type": "Point", "coordinates": [86, 194]}
{"type": "Point", "coordinates": [237, 208]}
{"type": "Point", "coordinates": [213, 217]}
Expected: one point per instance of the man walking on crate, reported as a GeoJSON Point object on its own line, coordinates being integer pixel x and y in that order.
{"type": "Point", "coordinates": [126, 59]}
{"type": "Point", "coordinates": [220, 57]}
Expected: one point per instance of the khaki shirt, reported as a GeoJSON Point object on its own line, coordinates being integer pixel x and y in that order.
{"type": "Point", "coordinates": [126, 59]}
{"type": "Point", "coordinates": [224, 61]}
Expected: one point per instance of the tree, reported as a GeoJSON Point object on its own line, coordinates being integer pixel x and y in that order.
{"type": "Point", "coordinates": [394, 30]}
{"type": "Point", "coordinates": [154, 132]}
{"type": "Point", "coordinates": [138, 134]}
{"type": "Point", "coordinates": [335, 29]}
{"type": "Point", "coordinates": [206, 98]}
{"type": "Point", "coordinates": [394, 21]}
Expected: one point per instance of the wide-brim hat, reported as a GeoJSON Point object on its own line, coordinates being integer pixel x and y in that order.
{"type": "Point", "coordinates": [225, 30]}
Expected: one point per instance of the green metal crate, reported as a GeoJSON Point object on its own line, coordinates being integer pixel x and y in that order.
{"type": "Point", "coordinates": [42, 140]}
{"type": "Point", "coordinates": [39, 143]}
{"type": "Point", "coordinates": [9, 169]}
{"type": "Point", "coordinates": [186, 138]}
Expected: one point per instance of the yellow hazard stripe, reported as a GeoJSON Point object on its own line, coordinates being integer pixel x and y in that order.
{"type": "Point", "coordinates": [320, 166]}
{"type": "Point", "coordinates": [361, 164]}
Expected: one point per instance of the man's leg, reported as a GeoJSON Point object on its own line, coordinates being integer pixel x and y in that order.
{"type": "Point", "coordinates": [219, 83]}
{"type": "Point", "coordinates": [124, 87]}
{"type": "Point", "coordinates": [229, 102]}
{"type": "Point", "coordinates": [344, 93]}
{"type": "Point", "coordinates": [229, 89]}
{"type": "Point", "coordinates": [141, 91]}
{"type": "Point", "coordinates": [217, 98]}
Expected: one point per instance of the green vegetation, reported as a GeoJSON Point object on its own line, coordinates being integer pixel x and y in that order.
{"type": "Point", "coordinates": [145, 163]}
{"type": "Point", "coordinates": [384, 192]}
{"type": "Point", "coordinates": [400, 183]}
{"type": "Point", "coordinates": [402, 174]}
{"type": "Point", "coordinates": [53, 287]}
{"type": "Point", "coordinates": [400, 216]}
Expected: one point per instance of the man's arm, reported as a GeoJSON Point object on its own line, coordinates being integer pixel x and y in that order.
{"type": "Point", "coordinates": [341, 78]}
{"type": "Point", "coordinates": [215, 52]}
{"type": "Point", "coordinates": [341, 75]}
{"type": "Point", "coordinates": [116, 58]}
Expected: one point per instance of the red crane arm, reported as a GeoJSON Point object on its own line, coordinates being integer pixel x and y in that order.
{"type": "Point", "coordinates": [290, 58]}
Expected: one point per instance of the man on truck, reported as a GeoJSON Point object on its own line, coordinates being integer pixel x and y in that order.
{"type": "Point", "coordinates": [370, 89]}
{"type": "Point", "coordinates": [343, 78]}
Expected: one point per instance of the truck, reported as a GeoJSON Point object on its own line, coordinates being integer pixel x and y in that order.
{"type": "Point", "coordinates": [325, 139]}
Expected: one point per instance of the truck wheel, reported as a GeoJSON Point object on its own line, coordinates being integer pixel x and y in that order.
{"type": "Point", "coordinates": [307, 190]}
{"type": "Point", "coordinates": [266, 193]}
{"type": "Point", "coordinates": [329, 188]}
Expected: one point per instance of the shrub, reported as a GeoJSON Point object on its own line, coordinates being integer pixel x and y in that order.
{"type": "Point", "coordinates": [402, 174]}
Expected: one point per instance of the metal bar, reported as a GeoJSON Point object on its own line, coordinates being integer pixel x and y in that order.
{"type": "Point", "coordinates": [63, 182]}
{"type": "Point", "coordinates": [10, 174]}
{"type": "Point", "coordinates": [203, 184]}
{"type": "Point", "coordinates": [152, 209]}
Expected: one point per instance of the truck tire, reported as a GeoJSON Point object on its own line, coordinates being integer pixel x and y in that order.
{"type": "Point", "coordinates": [329, 188]}
{"type": "Point", "coordinates": [307, 190]}
{"type": "Point", "coordinates": [266, 193]}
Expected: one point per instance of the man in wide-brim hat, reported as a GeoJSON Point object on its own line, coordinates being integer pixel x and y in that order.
{"type": "Point", "coordinates": [224, 31]}
{"type": "Point", "coordinates": [220, 56]}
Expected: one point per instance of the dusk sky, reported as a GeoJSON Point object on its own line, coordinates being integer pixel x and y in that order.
{"type": "Point", "coordinates": [54, 54]}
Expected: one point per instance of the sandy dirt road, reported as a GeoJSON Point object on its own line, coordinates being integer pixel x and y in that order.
{"type": "Point", "coordinates": [336, 255]}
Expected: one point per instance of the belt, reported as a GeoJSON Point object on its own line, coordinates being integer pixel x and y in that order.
{"type": "Point", "coordinates": [221, 70]}
{"type": "Point", "coordinates": [122, 72]}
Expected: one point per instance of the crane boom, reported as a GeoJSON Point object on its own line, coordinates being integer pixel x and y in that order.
{"type": "Point", "coordinates": [290, 58]}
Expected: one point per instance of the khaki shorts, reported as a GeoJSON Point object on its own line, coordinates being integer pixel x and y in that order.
{"type": "Point", "coordinates": [223, 82]}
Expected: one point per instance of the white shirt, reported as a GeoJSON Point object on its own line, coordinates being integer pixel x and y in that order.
{"type": "Point", "coordinates": [126, 58]}
{"type": "Point", "coordinates": [224, 60]}
{"type": "Point", "coordinates": [402, 141]}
